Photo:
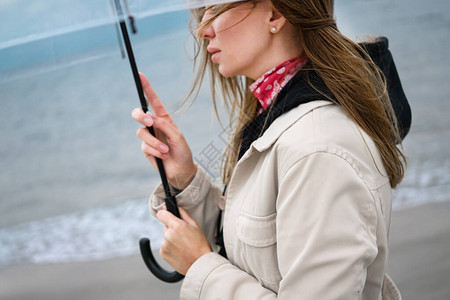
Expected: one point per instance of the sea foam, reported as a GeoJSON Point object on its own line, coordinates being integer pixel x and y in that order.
{"type": "Point", "coordinates": [99, 233]}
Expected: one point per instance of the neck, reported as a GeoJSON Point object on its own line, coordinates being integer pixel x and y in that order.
{"type": "Point", "coordinates": [283, 46]}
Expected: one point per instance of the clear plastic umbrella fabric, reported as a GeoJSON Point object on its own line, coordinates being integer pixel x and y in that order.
{"type": "Point", "coordinates": [71, 164]}
{"type": "Point", "coordinates": [52, 33]}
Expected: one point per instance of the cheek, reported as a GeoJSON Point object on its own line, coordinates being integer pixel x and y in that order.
{"type": "Point", "coordinates": [253, 45]}
{"type": "Point", "coordinates": [254, 34]}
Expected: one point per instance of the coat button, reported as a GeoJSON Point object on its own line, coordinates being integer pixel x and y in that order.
{"type": "Point", "coordinates": [222, 202]}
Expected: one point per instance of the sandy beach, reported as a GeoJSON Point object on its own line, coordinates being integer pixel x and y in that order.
{"type": "Point", "coordinates": [420, 247]}
{"type": "Point", "coordinates": [118, 278]}
{"type": "Point", "coordinates": [419, 251]}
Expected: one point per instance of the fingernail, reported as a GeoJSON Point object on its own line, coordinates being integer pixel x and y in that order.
{"type": "Point", "coordinates": [148, 121]}
{"type": "Point", "coordinates": [163, 148]}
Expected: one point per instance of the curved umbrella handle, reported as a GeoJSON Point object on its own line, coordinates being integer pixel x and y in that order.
{"type": "Point", "coordinates": [153, 265]}
{"type": "Point", "coordinates": [147, 254]}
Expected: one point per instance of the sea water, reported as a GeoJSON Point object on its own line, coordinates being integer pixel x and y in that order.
{"type": "Point", "coordinates": [74, 184]}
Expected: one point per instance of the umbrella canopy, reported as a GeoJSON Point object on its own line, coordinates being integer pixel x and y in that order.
{"type": "Point", "coordinates": [55, 32]}
{"type": "Point", "coordinates": [49, 34]}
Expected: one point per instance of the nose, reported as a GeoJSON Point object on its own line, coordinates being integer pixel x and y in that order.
{"type": "Point", "coordinates": [205, 30]}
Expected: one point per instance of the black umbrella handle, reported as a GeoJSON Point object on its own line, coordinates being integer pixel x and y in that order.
{"type": "Point", "coordinates": [147, 255]}
{"type": "Point", "coordinates": [170, 200]}
{"type": "Point", "coordinates": [154, 267]}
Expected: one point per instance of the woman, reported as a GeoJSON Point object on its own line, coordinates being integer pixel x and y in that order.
{"type": "Point", "coordinates": [309, 170]}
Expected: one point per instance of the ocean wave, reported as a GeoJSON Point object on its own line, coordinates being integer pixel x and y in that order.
{"type": "Point", "coordinates": [425, 182]}
{"type": "Point", "coordinates": [96, 234]}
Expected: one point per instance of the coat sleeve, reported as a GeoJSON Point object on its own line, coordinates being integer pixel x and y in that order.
{"type": "Point", "coordinates": [200, 199]}
{"type": "Point", "coordinates": [326, 229]}
{"type": "Point", "coordinates": [324, 239]}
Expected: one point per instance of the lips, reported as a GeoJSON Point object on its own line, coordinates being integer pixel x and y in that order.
{"type": "Point", "coordinates": [215, 53]}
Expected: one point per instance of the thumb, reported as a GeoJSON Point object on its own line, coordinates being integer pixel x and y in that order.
{"type": "Point", "coordinates": [187, 218]}
{"type": "Point", "coordinates": [167, 218]}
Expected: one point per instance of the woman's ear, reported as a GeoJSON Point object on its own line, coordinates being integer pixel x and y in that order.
{"type": "Point", "coordinates": [277, 21]}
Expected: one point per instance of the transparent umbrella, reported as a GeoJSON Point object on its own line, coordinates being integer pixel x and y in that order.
{"type": "Point", "coordinates": [42, 39]}
{"type": "Point", "coordinates": [31, 30]}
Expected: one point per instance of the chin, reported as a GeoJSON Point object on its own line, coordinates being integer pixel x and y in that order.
{"type": "Point", "coordinates": [223, 72]}
{"type": "Point", "coordinates": [227, 73]}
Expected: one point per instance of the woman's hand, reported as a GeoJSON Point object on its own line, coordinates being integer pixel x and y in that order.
{"type": "Point", "coordinates": [184, 242]}
{"type": "Point", "coordinates": [169, 143]}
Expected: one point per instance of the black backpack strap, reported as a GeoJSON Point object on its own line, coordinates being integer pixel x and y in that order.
{"type": "Point", "coordinates": [219, 236]}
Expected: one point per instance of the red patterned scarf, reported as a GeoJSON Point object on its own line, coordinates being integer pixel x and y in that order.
{"type": "Point", "coordinates": [267, 87]}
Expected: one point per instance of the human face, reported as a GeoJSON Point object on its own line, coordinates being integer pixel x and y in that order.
{"type": "Point", "coordinates": [238, 38]}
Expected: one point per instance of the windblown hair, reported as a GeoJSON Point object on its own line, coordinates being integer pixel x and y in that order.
{"type": "Point", "coordinates": [356, 83]}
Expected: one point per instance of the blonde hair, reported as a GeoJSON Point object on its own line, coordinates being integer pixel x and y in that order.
{"type": "Point", "coordinates": [357, 84]}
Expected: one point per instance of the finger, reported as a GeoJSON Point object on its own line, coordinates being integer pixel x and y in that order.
{"type": "Point", "coordinates": [143, 118]}
{"type": "Point", "coordinates": [186, 217]}
{"type": "Point", "coordinates": [165, 250]}
{"type": "Point", "coordinates": [171, 131]}
{"type": "Point", "coordinates": [169, 234]}
{"type": "Point", "coordinates": [167, 128]}
{"type": "Point", "coordinates": [151, 141]}
{"type": "Point", "coordinates": [150, 151]}
{"type": "Point", "coordinates": [153, 99]}
{"type": "Point", "coordinates": [152, 160]}
{"type": "Point", "coordinates": [167, 218]}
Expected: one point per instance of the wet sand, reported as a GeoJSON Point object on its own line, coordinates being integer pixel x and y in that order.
{"type": "Point", "coordinates": [117, 278]}
{"type": "Point", "coordinates": [420, 247]}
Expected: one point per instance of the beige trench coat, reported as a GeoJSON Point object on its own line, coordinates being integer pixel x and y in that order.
{"type": "Point", "coordinates": [307, 215]}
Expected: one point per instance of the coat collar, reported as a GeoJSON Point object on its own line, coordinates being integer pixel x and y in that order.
{"type": "Point", "coordinates": [281, 124]}
{"type": "Point", "coordinates": [305, 87]}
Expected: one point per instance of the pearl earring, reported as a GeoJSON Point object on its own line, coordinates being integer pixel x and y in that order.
{"type": "Point", "coordinates": [273, 29]}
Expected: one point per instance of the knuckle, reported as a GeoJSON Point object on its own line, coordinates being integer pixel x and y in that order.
{"type": "Point", "coordinates": [178, 135]}
{"type": "Point", "coordinates": [144, 147]}
{"type": "Point", "coordinates": [178, 226]}
{"type": "Point", "coordinates": [175, 226]}
{"type": "Point", "coordinates": [165, 248]}
{"type": "Point", "coordinates": [162, 252]}
{"type": "Point", "coordinates": [171, 234]}
{"type": "Point", "coordinates": [139, 132]}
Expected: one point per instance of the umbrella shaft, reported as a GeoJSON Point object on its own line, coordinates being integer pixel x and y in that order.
{"type": "Point", "coordinates": [137, 81]}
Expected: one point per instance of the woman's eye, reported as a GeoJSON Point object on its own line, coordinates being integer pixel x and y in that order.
{"type": "Point", "coordinates": [212, 9]}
